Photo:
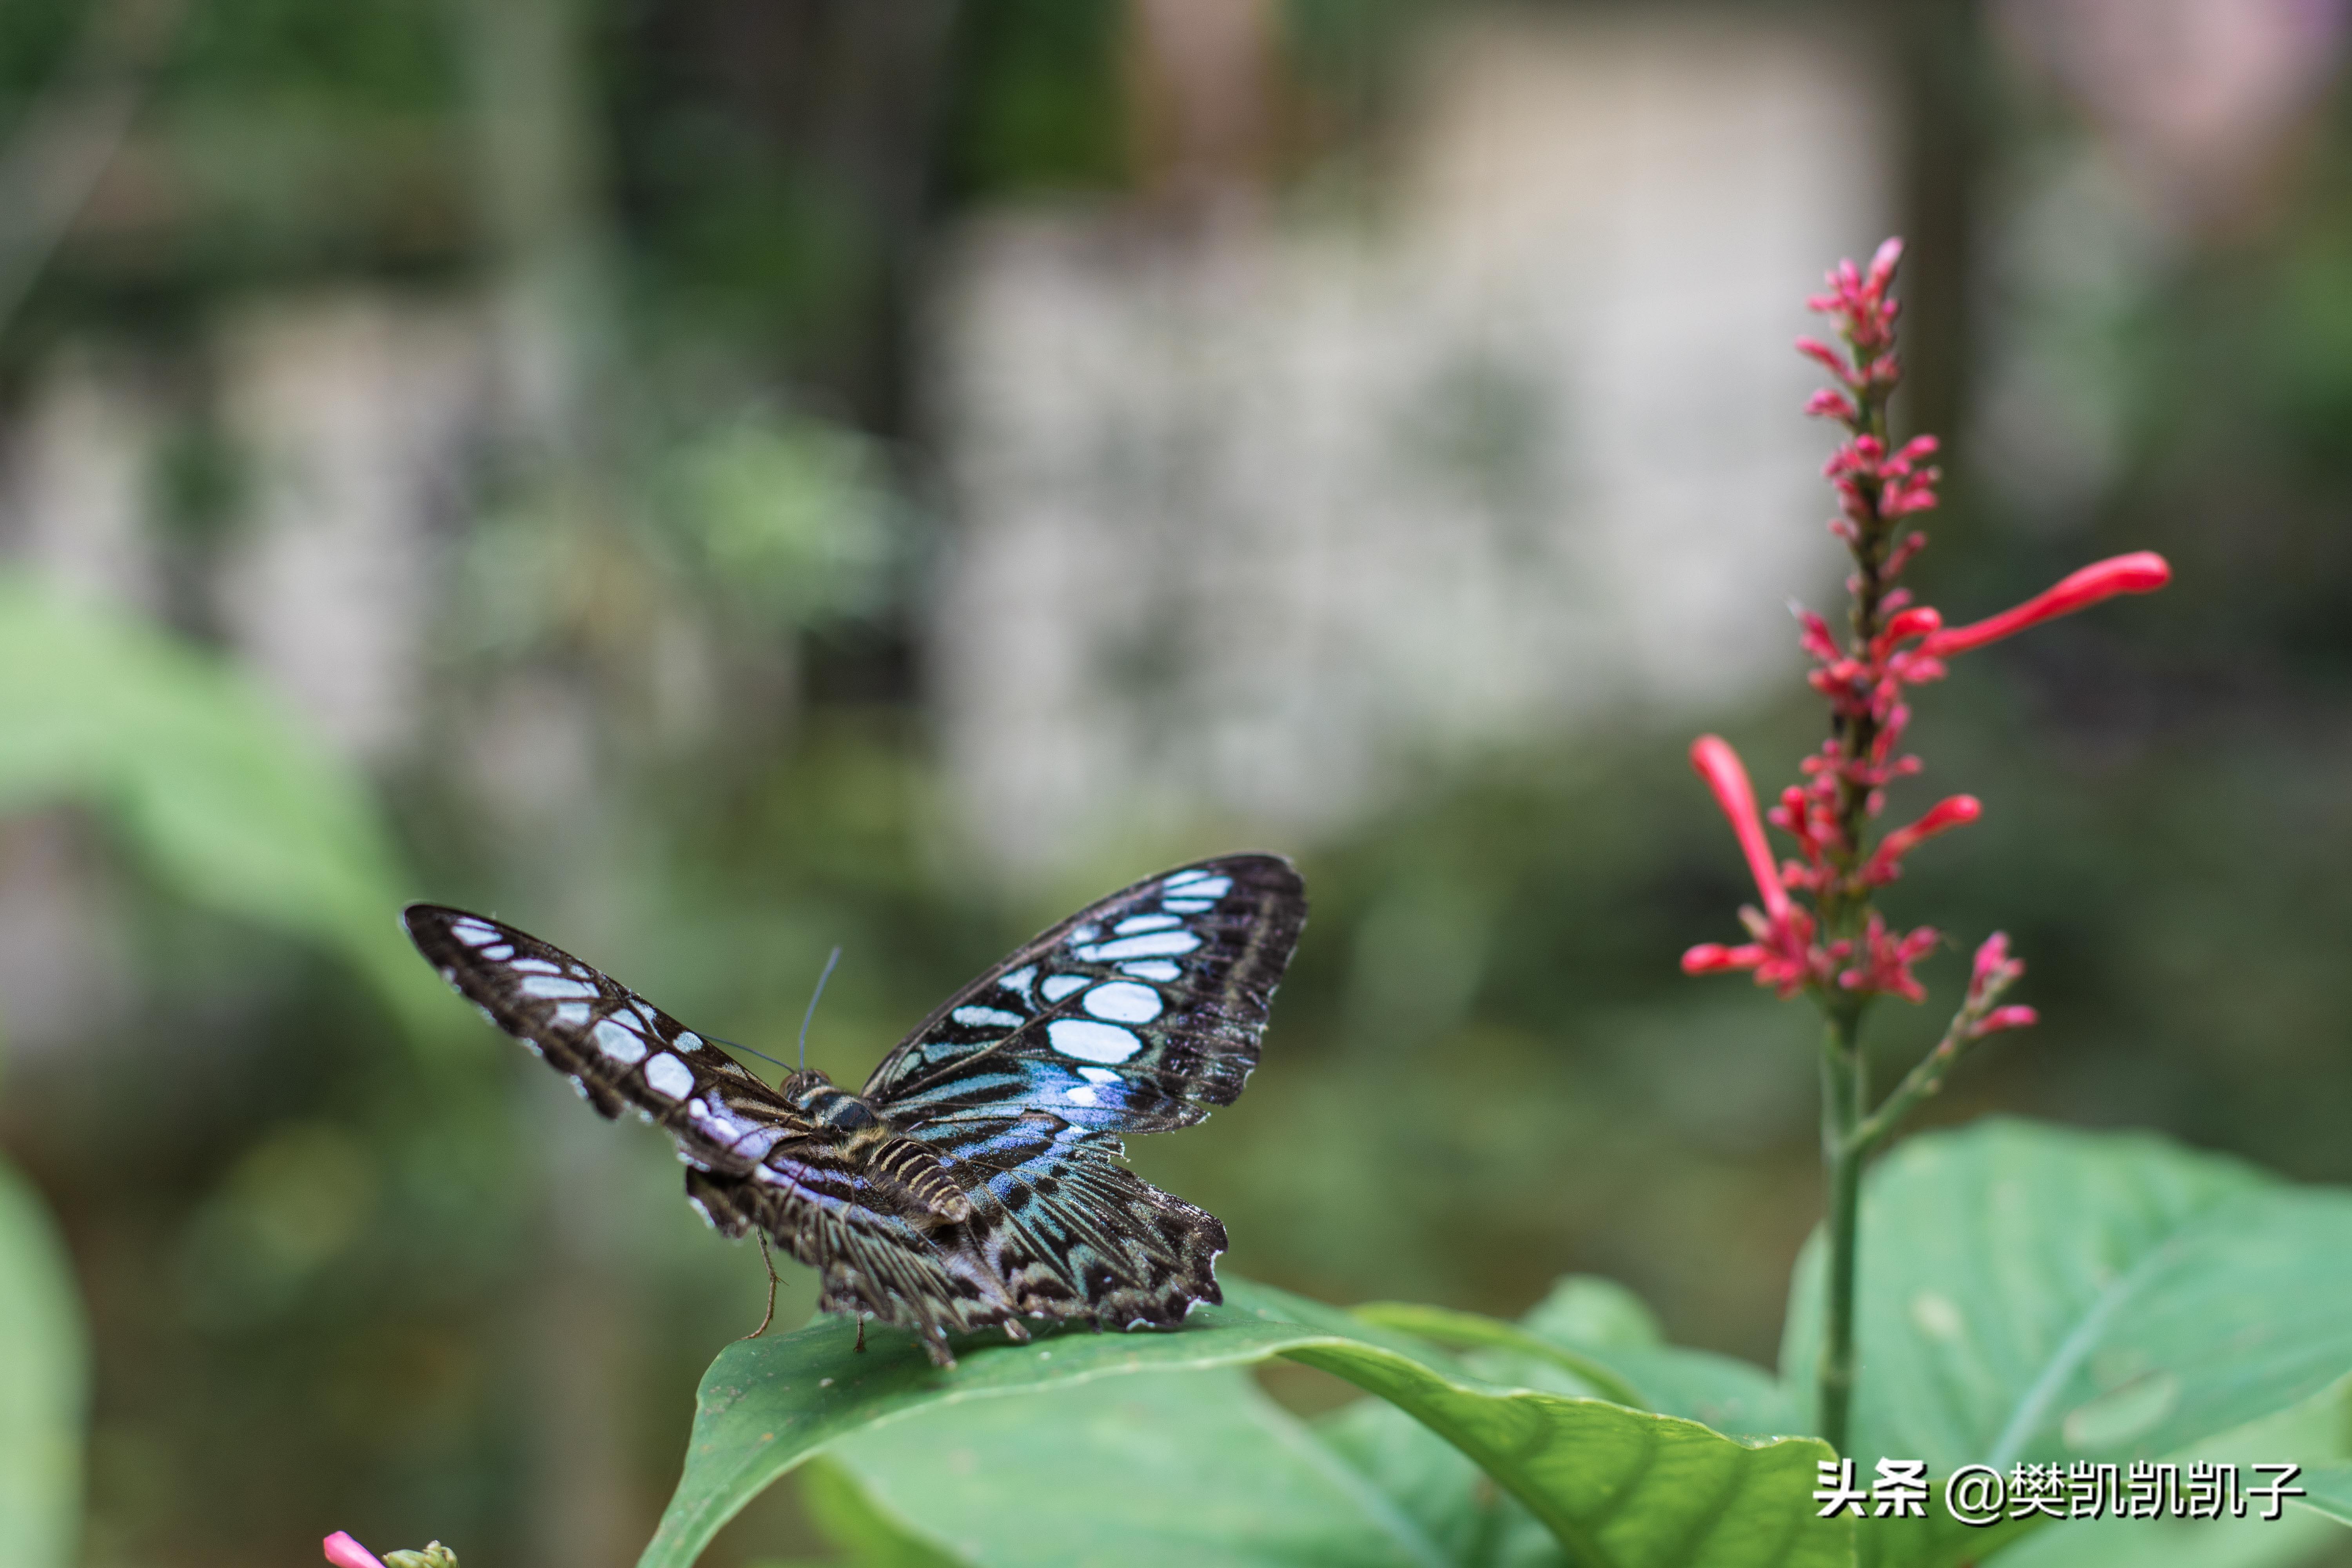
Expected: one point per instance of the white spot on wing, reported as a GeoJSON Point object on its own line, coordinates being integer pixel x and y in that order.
{"type": "Point", "coordinates": [620, 1042]}
{"type": "Point", "coordinates": [472, 933]}
{"type": "Point", "coordinates": [1099, 1075]}
{"type": "Point", "coordinates": [535, 966]}
{"type": "Point", "coordinates": [986, 1018]}
{"type": "Point", "coordinates": [1209, 888]}
{"type": "Point", "coordinates": [1152, 945]}
{"type": "Point", "coordinates": [668, 1076]}
{"type": "Point", "coordinates": [1092, 1042]}
{"type": "Point", "coordinates": [1083, 1094]}
{"type": "Point", "coordinates": [1020, 980]}
{"type": "Point", "coordinates": [1134, 923]}
{"type": "Point", "coordinates": [1124, 1002]}
{"type": "Point", "coordinates": [755, 1144]}
{"type": "Point", "coordinates": [1057, 986]}
{"type": "Point", "coordinates": [717, 1122]}
{"type": "Point", "coordinates": [572, 1015]}
{"type": "Point", "coordinates": [555, 986]}
{"type": "Point", "coordinates": [1183, 879]}
{"type": "Point", "coordinates": [1151, 969]}
{"type": "Point", "coordinates": [496, 953]}
{"type": "Point", "coordinates": [688, 1040]}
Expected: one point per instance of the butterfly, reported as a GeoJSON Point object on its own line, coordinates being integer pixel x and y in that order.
{"type": "Point", "coordinates": [974, 1181]}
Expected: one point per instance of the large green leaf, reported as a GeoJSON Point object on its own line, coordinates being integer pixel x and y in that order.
{"type": "Point", "coordinates": [2029, 1292]}
{"type": "Point", "coordinates": [1620, 1488]}
{"type": "Point", "coordinates": [2329, 1491]}
{"type": "Point", "coordinates": [1165, 1470]}
{"type": "Point", "coordinates": [2295, 1537]}
{"type": "Point", "coordinates": [221, 794]}
{"type": "Point", "coordinates": [43, 1384]}
{"type": "Point", "coordinates": [1734, 1397]}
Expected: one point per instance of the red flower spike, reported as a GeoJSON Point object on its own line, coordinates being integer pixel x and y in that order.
{"type": "Point", "coordinates": [1714, 760]}
{"type": "Point", "coordinates": [1900, 556]}
{"type": "Point", "coordinates": [1994, 969]}
{"type": "Point", "coordinates": [2142, 572]}
{"type": "Point", "coordinates": [1907, 625]}
{"type": "Point", "coordinates": [1886, 961]}
{"type": "Point", "coordinates": [1714, 958]}
{"type": "Point", "coordinates": [1828, 405]}
{"type": "Point", "coordinates": [345, 1552]}
{"type": "Point", "coordinates": [1827, 357]}
{"type": "Point", "coordinates": [1887, 862]}
{"type": "Point", "coordinates": [1814, 636]}
{"type": "Point", "coordinates": [2001, 1018]}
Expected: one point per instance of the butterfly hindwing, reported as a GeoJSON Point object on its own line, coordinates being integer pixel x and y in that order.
{"type": "Point", "coordinates": [1135, 1015]}
{"type": "Point", "coordinates": [1072, 1232]}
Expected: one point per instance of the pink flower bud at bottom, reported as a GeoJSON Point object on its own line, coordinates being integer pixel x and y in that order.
{"type": "Point", "coordinates": [345, 1552]}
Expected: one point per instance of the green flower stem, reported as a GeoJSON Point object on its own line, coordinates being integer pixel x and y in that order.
{"type": "Point", "coordinates": [1921, 1082]}
{"type": "Point", "coordinates": [1842, 1096]}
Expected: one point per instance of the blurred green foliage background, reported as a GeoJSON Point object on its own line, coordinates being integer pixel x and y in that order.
{"type": "Point", "coordinates": [348, 1262]}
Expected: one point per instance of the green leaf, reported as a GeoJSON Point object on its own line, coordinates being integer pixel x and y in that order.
{"type": "Point", "coordinates": [1620, 1488]}
{"type": "Point", "coordinates": [1445, 1326]}
{"type": "Point", "coordinates": [2029, 1292]}
{"type": "Point", "coordinates": [1625, 1364]}
{"type": "Point", "coordinates": [221, 795]}
{"type": "Point", "coordinates": [44, 1386]}
{"type": "Point", "coordinates": [2295, 1537]}
{"type": "Point", "coordinates": [859, 1526]}
{"type": "Point", "coordinates": [1593, 1313]}
{"type": "Point", "coordinates": [2330, 1492]}
{"type": "Point", "coordinates": [1164, 1471]}
{"type": "Point", "coordinates": [1471, 1521]}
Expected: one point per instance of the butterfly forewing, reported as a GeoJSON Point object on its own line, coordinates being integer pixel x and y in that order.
{"type": "Point", "coordinates": [1135, 1015]}
{"type": "Point", "coordinates": [618, 1050]}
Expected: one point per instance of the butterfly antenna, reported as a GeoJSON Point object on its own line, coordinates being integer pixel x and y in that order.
{"type": "Point", "coordinates": [739, 1046]}
{"type": "Point", "coordinates": [813, 995]}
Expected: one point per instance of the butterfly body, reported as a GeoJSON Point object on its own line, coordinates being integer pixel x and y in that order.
{"type": "Point", "coordinates": [974, 1181]}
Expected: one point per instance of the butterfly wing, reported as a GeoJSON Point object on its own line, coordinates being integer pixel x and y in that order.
{"type": "Point", "coordinates": [751, 1159]}
{"type": "Point", "coordinates": [619, 1051]}
{"type": "Point", "coordinates": [1136, 1015]}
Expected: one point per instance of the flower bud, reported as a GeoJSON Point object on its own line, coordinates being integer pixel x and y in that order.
{"type": "Point", "coordinates": [2142, 572]}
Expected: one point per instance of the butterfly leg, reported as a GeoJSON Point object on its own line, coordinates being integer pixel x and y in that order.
{"type": "Point", "coordinates": [769, 1315]}
{"type": "Point", "coordinates": [861, 1332]}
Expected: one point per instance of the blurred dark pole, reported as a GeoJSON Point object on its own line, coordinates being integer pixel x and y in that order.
{"type": "Point", "coordinates": [880, 125]}
{"type": "Point", "coordinates": [1204, 78]}
{"type": "Point", "coordinates": [1941, 46]}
